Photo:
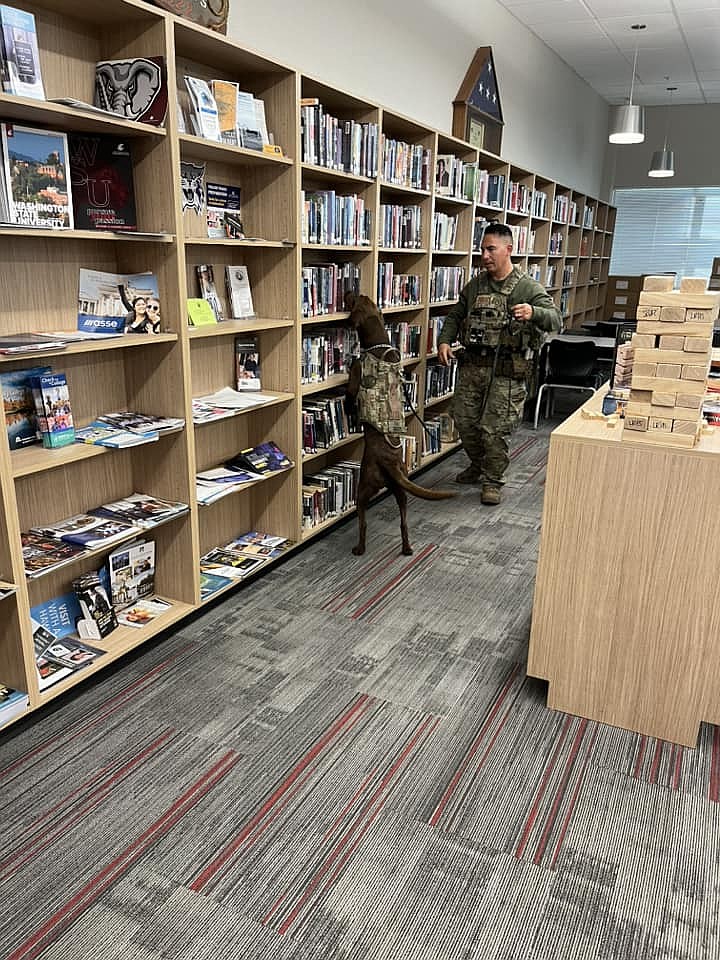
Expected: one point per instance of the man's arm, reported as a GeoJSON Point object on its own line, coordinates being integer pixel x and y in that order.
{"type": "Point", "coordinates": [545, 315]}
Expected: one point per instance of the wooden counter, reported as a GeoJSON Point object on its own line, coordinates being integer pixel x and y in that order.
{"type": "Point", "coordinates": [626, 619]}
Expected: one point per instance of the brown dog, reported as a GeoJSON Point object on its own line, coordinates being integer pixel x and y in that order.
{"type": "Point", "coordinates": [382, 462]}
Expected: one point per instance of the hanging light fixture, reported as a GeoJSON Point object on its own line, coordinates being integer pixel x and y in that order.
{"type": "Point", "coordinates": [663, 161]}
{"type": "Point", "coordinates": [628, 121]}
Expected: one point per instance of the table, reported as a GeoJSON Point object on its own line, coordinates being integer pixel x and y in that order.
{"type": "Point", "coordinates": [626, 617]}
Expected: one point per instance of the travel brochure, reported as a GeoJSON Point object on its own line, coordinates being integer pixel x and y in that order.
{"type": "Point", "coordinates": [238, 559]}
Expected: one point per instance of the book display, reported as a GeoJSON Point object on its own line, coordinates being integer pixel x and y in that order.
{"type": "Point", "coordinates": [209, 377]}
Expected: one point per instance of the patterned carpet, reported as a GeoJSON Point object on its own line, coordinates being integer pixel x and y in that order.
{"type": "Point", "coordinates": [345, 761]}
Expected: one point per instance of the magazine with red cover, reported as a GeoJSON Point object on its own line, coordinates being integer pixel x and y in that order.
{"type": "Point", "coordinates": [101, 175]}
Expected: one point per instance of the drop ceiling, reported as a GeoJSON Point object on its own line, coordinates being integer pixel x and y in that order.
{"type": "Point", "coordinates": [594, 37]}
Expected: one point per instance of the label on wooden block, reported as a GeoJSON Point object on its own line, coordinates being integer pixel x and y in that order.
{"type": "Point", "coordinates": [693, 285]}
{"type": "Point", "coordinates": [688, 402]}
{"type": "Point", "coordinates": [648, 312]}
{"type": "Point", "coordinates": [672, 342]}
{"type": "Point", "coordinates": [644, 370]}
{"type": "Point", "coordinates": [641, 396]}
{"type": "Point", "coordinates": [672, 314]}
{"type": "Point", "coordinates": [660, 424]}
{"type": "Point", "coordinates": [697, 345]}
{"type": "Point", "coordinates": [691, 371]}
{"type": "Point", "coordinates": [698, 315]}
{"type": "Point", "coordinates": [663, 399]}
{"type": "Point", "coordinates": [643, 341]}
{"type": "Point", "coordinates": [636, 423]}
{"type": "Point", "coordinates": [659, 284]}
{"type": "Point", "coordinates": [686, 427]}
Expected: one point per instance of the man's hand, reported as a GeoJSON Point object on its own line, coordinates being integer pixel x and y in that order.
{"type": "Point", "coordinates": [445, 354]}
{"type": "Point", "coordinates": [522, 311]}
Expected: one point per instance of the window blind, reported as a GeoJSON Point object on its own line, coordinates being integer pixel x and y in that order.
{"type": "Point", "coordinates": [665, 229]}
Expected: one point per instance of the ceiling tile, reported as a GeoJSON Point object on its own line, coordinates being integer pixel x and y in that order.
{"type": "Point", "coordinates": [700, 19]}
{"type": "Point", "coordinates": [567, 31]}
{"type": "Point", "coordinates": [660, 28]}
{"type": "Point", "coordinates": [550, 11]}
{"type": "Point", "coordinates": [618, 8]}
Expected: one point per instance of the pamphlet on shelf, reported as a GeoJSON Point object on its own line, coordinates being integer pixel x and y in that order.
{"type": "Point", "coordinates": [20, 415]}
{"type": "Point", "coordinates": [247, 363]}
{"type": "Point", "coordinates": [101, 174]}
{"type": "Point", "coordinates": [237, 283]}
{"type": "Point", "coordinates": [224, 213]}
{"type": "Point", "coordinates": [204, 115]}
{"type": "Point", "coordinates": [143, 612]}
{"type": "Point", "coordinates": [20, 55]}
{"type": "Point", "coordinates": [32, 158]}
{"type": "Point", "coordinates": [17, 343]}
{"type": "Point", "coordinates": [118, 303]}
{"type": "Point", "coordinates": [200, 312]}
{"type": "Point", "coordinates": [13, 704]}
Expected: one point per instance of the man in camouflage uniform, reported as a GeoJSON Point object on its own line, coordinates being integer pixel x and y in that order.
{"type": "Point", "coordinates": [500, 321]}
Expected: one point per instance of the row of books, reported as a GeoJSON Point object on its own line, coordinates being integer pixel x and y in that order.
{"type": "Point", "coordinates": [479, 226]}
{"type": "Point", "coordinates": [540, 204]}
{"type": "Point", "coordinates": [446, 283]}
{"type": "Point", "coordinates": [238, 559]}
{"type": "Point", "coordinates": [490, 190]}
{"type": "Point", "coordinates": [564, 209]}
{"type": "Point", "coordinates": [329, 493]}
{"type": "Point", "coordinates": [440, 380]}
{"type": "Point", "coordinates": [326, 353]}
{"type": "Point", "coordinates": [405, 337]}
{"type": "Point", "coordinates": [523, 238]}
{"type": "Point", "coordinates": [330, 218]}
{"type": "Point", "coordinates": [405, 164]}
{"type": "Point", "coordinates": [519, 197]}
{"type": "Point", "coordinates": [444, 230]}
{"type": "Point", "coordinates": [49, 546]}
{"type": "Point", "coordinates": [435, 325]}
{"type": "Point", "coordinates": [455, 177]}
{"type": "Point", "coordinates": [337, 144]}
{"type": "Point", "coordinates": [247, 466]}
{"type": "Point", "coordinates": [397, 289]}
{"type": "Point", "coordinates": [325, 422]}
{"type": "Point", "coordinates": [400, 226]}
{"type": "Point", "coordinates": [410, 391]}
{"type": "Point", "coordinates": [557, 242]}
{"type": "Point", "coordinates": [324, 286]}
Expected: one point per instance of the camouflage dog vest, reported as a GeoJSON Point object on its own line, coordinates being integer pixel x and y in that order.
{"type": "Point", "coordinates": [380, 399]}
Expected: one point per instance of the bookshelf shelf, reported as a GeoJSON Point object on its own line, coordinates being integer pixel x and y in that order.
{"type": "Point", "coordinates": [235, 489]}
{"type": "Point", "coordinates": [325, 318]}
{"type": "Point", "coordinates": [61, 116]}
{"type": "Point", "coordinates": [396, 188]}
{"type": "Point", "coordinates": [230, 328]}
{"type": "Point", "coordinates": [198, 148]}
{"type": "Point", "coordinates": [37, 459]}
{"type": "Point", "coordinates": [250, 244]}
{"type": "Point", "coordinates": [278, 398]}
{"type": "Point", "coordinates": [335, 381]}
{"type": "Point", "coordinates": [436, 401]}
{"type": "Point", "coordinates": [403, 308]}
{"type": "Point", "coordinates": [346, 442]}
{"type": "Point", "coordinates": [310, 532]}
{"type": "Point", "coordinates": [117, 343]}
{"type": "Point", "coordinates": [344, 247]}
{"type": "Point", "coordinates": [405, 250]}
{"type": "Point", "coordinates": [450, 253]}
{"type": "Point", "coordinates": [455, 201]}
{"type": "Point", "coordinates": [33, 233]}
{"type": "Point", "coordinates": [442, 303]}
{"type": "Point", "coordinates": [328, 173]}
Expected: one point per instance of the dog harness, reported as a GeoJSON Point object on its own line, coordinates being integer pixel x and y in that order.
{"type": "Point", "coordinates": [380, 398]}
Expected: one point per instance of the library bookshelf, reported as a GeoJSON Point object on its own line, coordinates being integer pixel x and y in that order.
{"type": "Point", "coordinates": [162, 374]}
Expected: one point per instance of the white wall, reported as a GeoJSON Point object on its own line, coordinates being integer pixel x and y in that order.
{"type": "Point", "coordinates": [411, 56]}
{"type": "Point", "coordinates": [694, 135]}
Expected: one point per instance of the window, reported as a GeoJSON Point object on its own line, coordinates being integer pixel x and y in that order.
{"type": "Point", "coordinates": [666, 229]}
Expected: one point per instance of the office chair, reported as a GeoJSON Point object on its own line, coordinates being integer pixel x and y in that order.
{"type": "Point", "coordinates": [570, 365]}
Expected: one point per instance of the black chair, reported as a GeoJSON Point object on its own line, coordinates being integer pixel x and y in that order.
{"type": "Point", "coordinates": [569, 365]}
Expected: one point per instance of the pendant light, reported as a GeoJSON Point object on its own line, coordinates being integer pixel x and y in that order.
{"type": "Point", "coordinates": [663, 161]}
{"type": "Point", "coordinates": [628, 121]}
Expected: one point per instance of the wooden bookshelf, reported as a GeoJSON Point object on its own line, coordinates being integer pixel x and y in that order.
{"type": "Point", "coordinates": [162, 374]}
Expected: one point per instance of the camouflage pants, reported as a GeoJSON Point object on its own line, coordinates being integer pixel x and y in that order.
{"type": "Point", "coordinates": [486, 433]}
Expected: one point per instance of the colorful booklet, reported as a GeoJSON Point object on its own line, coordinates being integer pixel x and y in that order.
{"type": "Point", "coordinates": [132, 572]}
{"type": "Point", "coordinates": [52, 406]}
{"type": "Point", "coordinates": [37, 177]}
{"type": "Point", "coordinates": [101, 174]}
{"type": "Point", "coordinates": [247, 363]}
{"type": "Point", "coordinates": [20, 415]}
{"type": "Point", "coordinates": [20, 55]}
{"type": "Point", "coordinates": [136, 88]}
{"type": "Point", "coordinates": [143, 612]}
{"type": "Point", "coordinates": [88, 531]}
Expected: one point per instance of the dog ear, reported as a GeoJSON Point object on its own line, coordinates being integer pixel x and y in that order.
{"type": "Point", "coordinates": [351, 299]}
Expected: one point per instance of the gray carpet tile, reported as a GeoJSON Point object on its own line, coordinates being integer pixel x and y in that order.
{"type": "Point", "coordinates": [344, 760]}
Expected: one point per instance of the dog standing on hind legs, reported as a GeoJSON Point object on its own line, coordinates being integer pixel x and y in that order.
{"type": "Point", "coordinates": [375, 390]}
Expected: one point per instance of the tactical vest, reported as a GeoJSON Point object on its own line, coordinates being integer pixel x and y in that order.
{"type": "Point", "coordinates": [380, 398]}
{"type": "Point", "coordinates": [489, 326]}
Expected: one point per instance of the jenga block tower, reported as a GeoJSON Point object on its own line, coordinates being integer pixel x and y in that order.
{"type": "Point", "coordinates": [672, 350]}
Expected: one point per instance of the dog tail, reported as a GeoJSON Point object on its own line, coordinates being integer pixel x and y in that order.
{"type": "Point", "coordinates": [406, 483]}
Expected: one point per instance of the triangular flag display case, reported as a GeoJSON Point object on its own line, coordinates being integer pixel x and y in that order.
{"type": "Point", "coordinates": [477, 113]}
{"type": "Point", "coordinates": [414, 243]}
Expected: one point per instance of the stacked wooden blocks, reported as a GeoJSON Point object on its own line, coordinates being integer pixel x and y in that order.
{"type": "Point", "coordinates": [672, 347]}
